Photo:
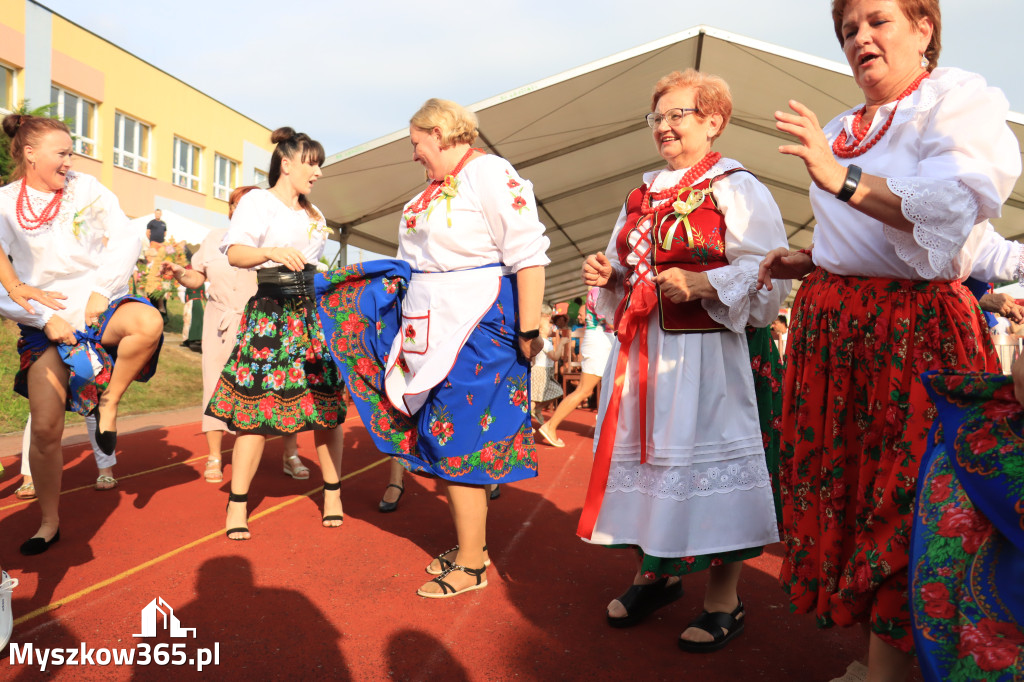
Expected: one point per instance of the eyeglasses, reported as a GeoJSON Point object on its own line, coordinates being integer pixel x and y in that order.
{"type": "Point", "coordinates": [673, 116]}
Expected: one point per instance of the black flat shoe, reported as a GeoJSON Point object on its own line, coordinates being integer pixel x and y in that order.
{"type": "Point", "coordinates": [106, 441]}
{"type": "Point", "coordinates": [720, 625]}
{"type": "Point", "coordinates": [384, 507]}
{"type": "Point", "coordinates": [641, 601]}
{"type": "Point", "coordinates": [495, 493]}
{"type": "Point", "coordinates": [332, 517]}
{"type": "Point", "coordinates": [34, 546]}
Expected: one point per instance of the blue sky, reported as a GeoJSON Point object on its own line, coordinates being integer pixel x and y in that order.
{"type": "Point", "coordinates": [347, 72]}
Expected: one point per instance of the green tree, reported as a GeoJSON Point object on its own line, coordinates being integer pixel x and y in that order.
{"type": "Point", "coordinates": [6, 162]}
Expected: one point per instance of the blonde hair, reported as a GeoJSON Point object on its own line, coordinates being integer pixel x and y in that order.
{"type": "Point", "coordinates": [711, 93]}
{"type": "Point", "coordinates": [458, 125]}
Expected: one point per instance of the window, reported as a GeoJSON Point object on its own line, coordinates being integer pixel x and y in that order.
{"type": "Point", "coordinates": [187, 160]}
{"type": "Point", "coordinates": [80, 115]}
{"type": "Point", "coordinates": [225, 177]}
{"type": "Point", "coordinates": [6, 88]}
{"type": "Point", "coordinates": [259, 177]}
{"type": "Point", "coordinates": [131, 143]}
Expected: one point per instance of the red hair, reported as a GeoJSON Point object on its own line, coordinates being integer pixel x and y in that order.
{"type": "Point", "coordinates": [711, 93]}
{"type": "Point", "coordinates": [914, 10]}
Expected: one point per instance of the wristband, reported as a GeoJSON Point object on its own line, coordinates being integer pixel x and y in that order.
{"type": "Point", "coordinates": [850, 183]}
{"type": "Point", "coordinates": [528, 335]}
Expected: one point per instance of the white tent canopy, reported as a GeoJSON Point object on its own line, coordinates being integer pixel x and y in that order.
{"type": "Point", "coordinates": [179, 228]}
{"type": "Point", "coordinates": [581, 138]}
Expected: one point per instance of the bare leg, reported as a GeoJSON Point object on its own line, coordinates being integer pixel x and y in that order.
{"type": "Point", "coordinates": [720, 596]}
{"type": "Point", "coordinates": [588, 382]}
{"type": "Point", "coordinates": [135, 328]}
{"type": "Point", "coordinates": [469, 510]}
{"type": "Point", "coordinates": [47, 390]}
{"type": "Point", "coordinates": [887, 663]}
{"type": "Point", "coordinates": [329, 448]}
{"type": "Point", "coordinates": [397, 475]}
{"type": "Point", "coordinates": [245, 459]}
{"type": "Point", "coordinates": [215, 443]}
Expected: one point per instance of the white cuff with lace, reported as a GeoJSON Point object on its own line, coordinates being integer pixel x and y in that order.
{"type": "Point", "coordinates": [943, 213]}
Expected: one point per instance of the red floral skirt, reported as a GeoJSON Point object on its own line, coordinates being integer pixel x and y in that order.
{"type": "Point", "coordinates": [855, 424]}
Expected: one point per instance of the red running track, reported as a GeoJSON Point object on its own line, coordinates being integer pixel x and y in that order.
{"type": "Point", "coordinates": [299, 601]}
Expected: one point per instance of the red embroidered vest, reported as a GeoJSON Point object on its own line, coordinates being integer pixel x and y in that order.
{"type": "Point", "coordinates": [696, 244]}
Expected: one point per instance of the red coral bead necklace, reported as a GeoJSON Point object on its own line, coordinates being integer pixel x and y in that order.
{"type": "Point", "coordinates": [848, 151]}
{"type": "Point", "coordinates": [27, 217]}
{"type": "Point", "coordinates": [699, 169]}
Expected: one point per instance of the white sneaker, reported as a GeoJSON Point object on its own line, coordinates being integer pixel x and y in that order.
{"type": "Point", "coordinates": [7, 585]}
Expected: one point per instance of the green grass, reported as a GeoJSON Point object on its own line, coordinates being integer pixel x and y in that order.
{"type": "Point", "coordinates": [178, 381]}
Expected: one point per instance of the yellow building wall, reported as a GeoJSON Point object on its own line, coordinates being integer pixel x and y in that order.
{"type": "Point", "coordinates": [12, 38]}
{"type": "Point", "coordinates": [171, 107]}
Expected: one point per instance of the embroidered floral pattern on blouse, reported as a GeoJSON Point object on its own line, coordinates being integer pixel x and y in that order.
{"type": "Point", "coordinates": [516, 190]}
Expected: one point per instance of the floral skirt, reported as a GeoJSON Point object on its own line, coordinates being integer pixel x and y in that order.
{"type": "Point", "coordinates": [89, 364]}
{"type": "Point", "coordinates": [855, 423]}
{"type": "Point", "coordinates": [967, 550]}
{"type": "Point", "coordinates": [767, 367]}
{"type": "Point", "coordinates": [475, 425]}
{"type": "Point", "coordinates": [279, 378]}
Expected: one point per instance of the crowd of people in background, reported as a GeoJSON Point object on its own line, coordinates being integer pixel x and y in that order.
{"type": "Point", "coordinates": [725, 422]}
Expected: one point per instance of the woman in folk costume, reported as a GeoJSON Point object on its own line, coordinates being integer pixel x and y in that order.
{"type": "Point", "coordinates": [230, 289]}
{"type": "Point", "coordinates": [451, 398]}
{"type": "Point", "coordinates": [680, 470]}
{"type": "Point", "coordinates": [279, 378]}
{"type": "Point", "coordinates": [900, 186]}
{"type": "Point", "coordinates": [64, 230]}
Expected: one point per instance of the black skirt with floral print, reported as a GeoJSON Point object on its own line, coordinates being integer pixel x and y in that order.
{"type": "Point", "coordinates": [280, 378]}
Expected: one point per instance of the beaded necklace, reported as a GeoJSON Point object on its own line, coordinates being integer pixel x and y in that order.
{"type": "Point", "coordinates": [27, 217]}
{"type": "Point", "coordinates": [699, 169]}
{"type": "Point", "coordinates": [848, 151]}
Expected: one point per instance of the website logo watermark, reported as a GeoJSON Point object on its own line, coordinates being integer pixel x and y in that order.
{"type": "Point", "coordinates": [157, 618]}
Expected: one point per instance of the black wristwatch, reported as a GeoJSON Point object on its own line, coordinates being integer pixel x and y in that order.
{"type": "Point", "coordinates": [850, 183]}
{"type": "Point", "coordinates": [528, 335]}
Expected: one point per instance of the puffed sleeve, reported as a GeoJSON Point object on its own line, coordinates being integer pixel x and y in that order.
{"type": "Point", "coordinates": [753, 227]}
{"type": "Point", "coordinates": [248, 224]}
{"type": "Point", "coordinates": [124, 241]}
{"type": "Point", "coordinates": [969, 161]}
{"type": "Point", "coordinates": [8, 308]}
{"type": "Point", "coordinates": [998, 259]}
{"type": "Point", "coordinates": [510, 209]}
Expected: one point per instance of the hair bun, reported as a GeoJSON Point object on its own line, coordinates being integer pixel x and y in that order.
{"type": "Point", "coordinates": [11, 124]}
{"type": "Point", "coordinates": [282, 135]}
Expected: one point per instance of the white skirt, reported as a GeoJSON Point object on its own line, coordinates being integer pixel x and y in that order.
{"type": "Point", "coordinates": [594, 348]}
{"type": "Point", "coordinates": [705, 486]}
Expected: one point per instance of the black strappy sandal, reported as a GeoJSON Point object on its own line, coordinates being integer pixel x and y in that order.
{"type": "Point", "coordinates": [720, 625]}
{"type": "Point", "coordinates": [232, 497]}
{"type": "Point", "coordinates": [641, 601]}
{"type": "Point", "coordinates": [445, 564]}
{"type": "Point", "coordinates": [384, 507]}
{"type": "Point", "coordinates": [332, 517]}
{"type": "Point", "coordinates": [447, 590]}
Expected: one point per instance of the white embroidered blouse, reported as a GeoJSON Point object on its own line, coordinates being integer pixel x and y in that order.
{"type": "Point", "coordinates": [951, 159]}
{"type": "Point", "coordinates": [493, 219]}
{"type": "Point", "coordinates": [262, 220]}
{"type": "Point", "coordinates": [68, 253]}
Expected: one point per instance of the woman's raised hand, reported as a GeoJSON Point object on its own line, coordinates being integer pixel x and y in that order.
{"type": "Point", "coordinates": [287, 256]}
{"type": "Point", "coordinates": [175, 270]}
{"type": "Point", "coordinates": [813, 148]}
{"type": "Point", "coordinates": [783, 264]}
{"type": "Point", "coordinates": [597, 270]}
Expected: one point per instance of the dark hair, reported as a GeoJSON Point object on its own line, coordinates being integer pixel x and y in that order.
{"type": "Point", "coordinates": [783, 320]}
{"type": "Point", "coordinates": [27, 130]}
{"type": "Point", "coordinates": [912, 10]}
{"type": "Point", "coordinates": [290, 144]}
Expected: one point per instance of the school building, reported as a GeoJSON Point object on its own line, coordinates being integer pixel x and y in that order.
{"type": "Point", "coordinates": [156, 141]}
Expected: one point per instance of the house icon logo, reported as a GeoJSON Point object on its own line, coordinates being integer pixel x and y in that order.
{"type": "Point", "coordinates": [158, 611]}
